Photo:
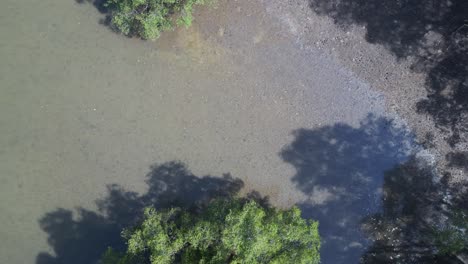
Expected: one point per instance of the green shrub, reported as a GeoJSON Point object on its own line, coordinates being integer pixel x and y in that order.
{"type": "Point", "coordinates": [148, 18]}
{"type": "Point", "coordinates": [226, 231]}
{"type": "Point", "coordinates": [453, 238]}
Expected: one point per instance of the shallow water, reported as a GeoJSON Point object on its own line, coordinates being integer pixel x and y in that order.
{"type": "Point", "coordinates": [82, 107]}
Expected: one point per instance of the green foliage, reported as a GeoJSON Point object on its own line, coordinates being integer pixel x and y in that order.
{"type": "Point", "coordinates": [148, 18]}
{"type": "Point", "coordinates": [453, 238]}
{"type": "Point", "coordinates": [226, 231]}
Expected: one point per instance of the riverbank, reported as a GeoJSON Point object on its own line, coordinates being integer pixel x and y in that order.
{"type": "Point", "coordinates": [243, 92]}
{"type": "Point", "coordinates": [402, 80]}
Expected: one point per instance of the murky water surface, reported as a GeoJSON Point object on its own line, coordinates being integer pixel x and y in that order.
{"type": "Point", "coordinates": [82, 107]}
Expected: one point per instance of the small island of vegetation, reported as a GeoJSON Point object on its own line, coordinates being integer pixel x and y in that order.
{"type": "Point", "coordinates": [148, 18]}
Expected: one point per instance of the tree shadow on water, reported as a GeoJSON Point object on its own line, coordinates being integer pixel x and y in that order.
{"type": "Point", "coordinates": [83, 238]}
{"type": "Point", "coordinates": [435, 32]}
{"type": "Point", "coordinates": [341, 169]}
{"type": "Point", "coordinates": [98, 4]}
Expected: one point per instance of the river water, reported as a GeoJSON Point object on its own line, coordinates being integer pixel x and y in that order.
{"type": "Point", "coordinates": [82, 107]}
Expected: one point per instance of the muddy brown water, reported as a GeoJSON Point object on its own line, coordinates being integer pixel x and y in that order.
{"type": "Point", "coordinates": [82, 107]}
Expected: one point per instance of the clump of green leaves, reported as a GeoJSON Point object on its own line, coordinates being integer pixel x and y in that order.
{"type": "Point", "coordinates": [453, 238]}
{"type": "Point", "coordinates": [148, 18]}
{"type": "Point", "coordinates": [226, 231]}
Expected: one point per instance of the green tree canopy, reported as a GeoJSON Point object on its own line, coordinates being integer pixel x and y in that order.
{"type": "Point", "coordinates": [225, 231]}
{"type": "Point", "coordinates": [148, 18]}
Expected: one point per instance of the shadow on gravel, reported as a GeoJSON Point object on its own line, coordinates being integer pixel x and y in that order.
{"type": "Point", "coordinates": [83, 237]}
{"type": "Point", "coordinates": [435, 32]}
{"type": "Point", "coordinates": [458, 160]}
{"type": "Point", "coordinates": [413, 204]}
{"type": "Point", "coordinates": [341, 169]}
